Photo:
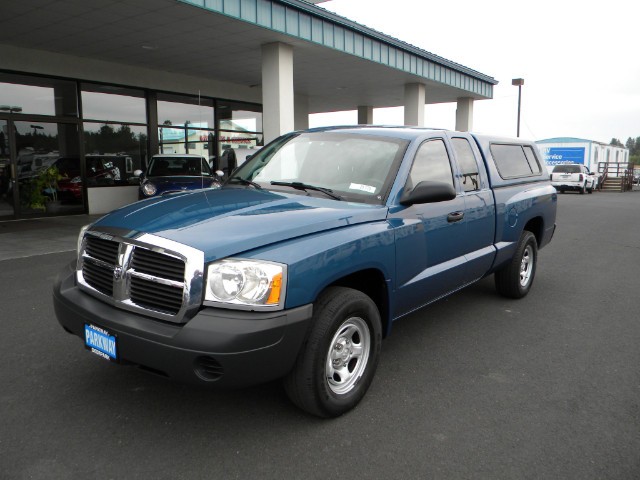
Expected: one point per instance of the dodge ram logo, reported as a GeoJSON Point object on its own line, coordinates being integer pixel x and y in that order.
{"type": "Point", "coordinates": [117, 273]}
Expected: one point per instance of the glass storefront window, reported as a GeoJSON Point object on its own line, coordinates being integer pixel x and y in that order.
{"type": "Point", "coordinates": [189, 140]}
{"type": "Point", "coordinates": [240, 117]}
{"type": "Point", "coordinates": [48, 167]}
{"type": "Point", "coordinates": [113, 104]}
{"type": "Point", "coordinates": [113, 152]}
{"type": "Point", "coordinates": [39, 96]}
{"type": "Point", "coordinates": [178, 110]}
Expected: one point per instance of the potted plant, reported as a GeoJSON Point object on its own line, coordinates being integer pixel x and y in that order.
{"type": "Point", "coordinates": [45, 190]}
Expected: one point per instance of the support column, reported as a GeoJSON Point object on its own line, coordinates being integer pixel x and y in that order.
{"type": "Point", "coordinates": [365, 115]}
{"type": "Point", "coordinates": [277, 90]}
{"type": "Point", "coordinates": [414, 99]}
{"type": "Point", "coordinates": [464, 114]}
{"type": "Point", "coordinates": [301, 114]}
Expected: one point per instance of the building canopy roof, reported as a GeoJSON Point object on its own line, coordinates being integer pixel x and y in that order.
{"type": "Point", "coordinates": [338, 64]}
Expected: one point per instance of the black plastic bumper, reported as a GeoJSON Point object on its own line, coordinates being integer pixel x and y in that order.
{"type": "Point", "coordinates": [217, 347]}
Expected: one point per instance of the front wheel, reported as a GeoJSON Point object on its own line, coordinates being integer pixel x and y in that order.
{"type": "Point", "coordinates": [337, 363]}
{"type": "Point", "coordinates": [514, 280]}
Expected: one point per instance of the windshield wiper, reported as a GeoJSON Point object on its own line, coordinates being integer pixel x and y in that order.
{"type": "Point", "coordinates": [306, 186]}
{"type": "Point", "coordinates": [244, 181]}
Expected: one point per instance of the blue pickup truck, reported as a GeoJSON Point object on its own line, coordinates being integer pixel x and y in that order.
{"type": "Point", "coordinates": [299, 265]}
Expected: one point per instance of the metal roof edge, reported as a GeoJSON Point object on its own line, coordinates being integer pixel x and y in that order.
{"type": "Point", "coordinates": [345, 22]}
{"type": "Point", "coordinates": [565, 140]}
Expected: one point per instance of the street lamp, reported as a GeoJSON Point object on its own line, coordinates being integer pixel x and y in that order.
{"type": "Point", "coordinates": [186, 136]}
{"type": "Point", "coordinates": [519, 82]}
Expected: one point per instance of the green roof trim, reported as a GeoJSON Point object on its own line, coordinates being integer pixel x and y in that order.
{"type": "Point", "coordinates": [309, 22]}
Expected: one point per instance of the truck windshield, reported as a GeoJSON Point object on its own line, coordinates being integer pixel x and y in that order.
{"type": "Point", "coordinates": [354, 167]}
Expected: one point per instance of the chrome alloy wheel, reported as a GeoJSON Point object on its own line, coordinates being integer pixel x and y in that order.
{"type": "Point", "coordinates": [348, 355]}
{"type": "Point", "coordinates": [526, 266]}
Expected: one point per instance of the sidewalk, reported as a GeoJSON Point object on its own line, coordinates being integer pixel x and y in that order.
{"type": "Point", "coordinates": [39, 236]}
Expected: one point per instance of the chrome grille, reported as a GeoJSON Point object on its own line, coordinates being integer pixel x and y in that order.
{"type": "Point", "coordinates": [144, 273]}
{"type": "Point", "coordinates": [157, 264]}
{"type": "Point", "coordinates": [102, 249]}
{"type": "Point", "coordinates": [98, 271]}
{"type": "Point", "coordinates": [156, 296]}
{"type": "Point", "coordinates": [99, 277]}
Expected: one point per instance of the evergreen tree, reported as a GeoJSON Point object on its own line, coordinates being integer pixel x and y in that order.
{"type": "Point", "coordinates": [630, 144]}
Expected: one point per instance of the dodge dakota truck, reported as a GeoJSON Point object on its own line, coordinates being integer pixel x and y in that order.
{"type": "Point", "coordinates": [298, 266]}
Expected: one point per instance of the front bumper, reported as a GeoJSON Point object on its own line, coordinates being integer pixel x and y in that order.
{"type": "Point", "coordinates": [217, 347]}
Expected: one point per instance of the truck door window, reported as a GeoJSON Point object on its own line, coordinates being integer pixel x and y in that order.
{"type": "Point", "coordinates": [431, 164]}
{"type": "Point", "coordinates": [467, 163]}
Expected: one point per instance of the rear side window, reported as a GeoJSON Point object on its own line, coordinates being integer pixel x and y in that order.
{"type": "Point", "coordinates": [532, 159]}
{"type": "Point", "coordinates": [468, 164]}
{"type": "Point", "coordinates": [512, 162]}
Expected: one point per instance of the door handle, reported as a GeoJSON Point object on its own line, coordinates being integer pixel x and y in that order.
{"type": "Point", "coordinates": [455, 217]}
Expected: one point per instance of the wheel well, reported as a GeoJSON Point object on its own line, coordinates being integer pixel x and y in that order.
{"type": "Point", "coordinates": [370, 282]}
{"type": "Point", "coordinates": [536, 226]}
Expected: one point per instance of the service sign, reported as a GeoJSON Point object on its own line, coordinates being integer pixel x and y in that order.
{"type": "Point", "coordinates": [562, 155]}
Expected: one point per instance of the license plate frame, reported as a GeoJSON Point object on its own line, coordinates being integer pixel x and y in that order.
{"type": "Point", "coordinates": [101, 342]}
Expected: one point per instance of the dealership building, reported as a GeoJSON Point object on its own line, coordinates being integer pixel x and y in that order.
{"type": "Point", "coordinates": [89, 86]}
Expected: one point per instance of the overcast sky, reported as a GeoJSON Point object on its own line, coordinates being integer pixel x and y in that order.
{"type": "Point", "coordinates": [580, 62]}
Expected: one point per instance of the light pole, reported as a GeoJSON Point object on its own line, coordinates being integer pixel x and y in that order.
{"type": "Point", "coordinates": [186, 136]}
{"type": "Point", "coordinates": [519, 82]}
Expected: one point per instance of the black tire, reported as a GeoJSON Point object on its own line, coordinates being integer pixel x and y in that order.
{"type": "Point", "coordinates": [514, 280]}
{"type": "Point", "coordinates": [344, 321]}
{"type": "Point", "coordinates": [583, 189]}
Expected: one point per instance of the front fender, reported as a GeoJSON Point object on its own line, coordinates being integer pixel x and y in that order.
{"type": "Point", "coordinates": [316, 261]}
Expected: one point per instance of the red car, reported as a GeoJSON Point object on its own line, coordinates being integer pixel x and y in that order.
{"type": "Point", "coordinates": [100, 171]}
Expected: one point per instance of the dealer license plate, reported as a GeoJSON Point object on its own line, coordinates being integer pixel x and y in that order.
{"type": "Point", "coordinates": [100, 342]}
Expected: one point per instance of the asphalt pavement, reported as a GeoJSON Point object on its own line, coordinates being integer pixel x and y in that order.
{"type": "Point", "coordinates": [474, 386]}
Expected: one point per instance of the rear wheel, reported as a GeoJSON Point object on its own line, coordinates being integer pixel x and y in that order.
{"type": "Point", "coordinates": [338, 361]}
{"type": "Point", "coordinates": [514, 280]}
{"type": "Point", "coordinates": [583, 189]}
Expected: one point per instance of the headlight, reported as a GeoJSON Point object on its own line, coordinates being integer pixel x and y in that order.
{"type": "Point", "coordinates": [248, 284]}
{"type": "Point", "coordinates": [149, 189]}
{"type": "Point", "coordinates": [76, 180]}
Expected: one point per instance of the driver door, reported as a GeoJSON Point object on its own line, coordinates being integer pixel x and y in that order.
{"type": "Point", "coordinates": [430, 241]}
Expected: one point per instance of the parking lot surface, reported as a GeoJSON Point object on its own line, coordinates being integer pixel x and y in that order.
{"type": "Point", "coordinates": [473, 386]}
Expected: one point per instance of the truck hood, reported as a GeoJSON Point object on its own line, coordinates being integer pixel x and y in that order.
{"type": "Point", "coordinates": [227, 221]}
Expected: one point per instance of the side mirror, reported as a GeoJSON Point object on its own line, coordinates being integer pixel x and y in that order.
{"type": "Point", "coordinates": [137, 173]}
{"type": "Point", "coordinates": [428, 192]}
{"type": "Point", "coordinates": [219, 173]}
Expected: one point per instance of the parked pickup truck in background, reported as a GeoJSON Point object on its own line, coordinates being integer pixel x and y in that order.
{"type": "Point", "coordinates": [299, 265]}
{"type": "Point", "coordinates": [573, 177]}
